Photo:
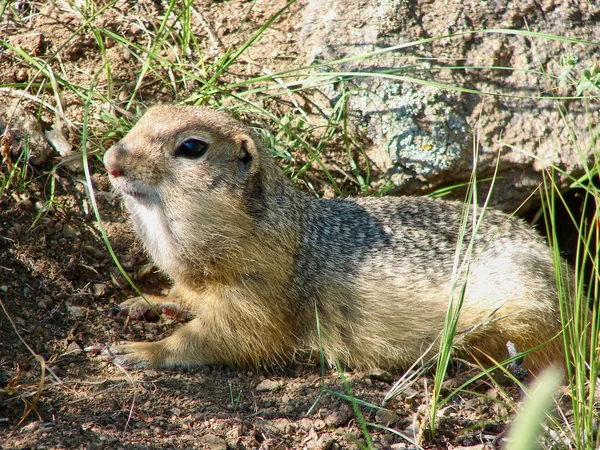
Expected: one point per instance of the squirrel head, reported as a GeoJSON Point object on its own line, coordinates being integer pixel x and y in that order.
{"type": "Point", "coordinates": [196, 145]}
{"type": "Point", "coordinates": [194, 180]}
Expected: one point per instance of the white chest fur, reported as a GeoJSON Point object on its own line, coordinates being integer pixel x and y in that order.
{"type": "Point", "coordinates": [151, 226]}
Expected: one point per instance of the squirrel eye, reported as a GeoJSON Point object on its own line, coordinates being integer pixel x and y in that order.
{"type": "Point", "coordinates": [191, 148]}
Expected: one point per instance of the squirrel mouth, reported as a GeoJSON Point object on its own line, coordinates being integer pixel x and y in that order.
{"type": "Point", "coordinates": [134, 190]}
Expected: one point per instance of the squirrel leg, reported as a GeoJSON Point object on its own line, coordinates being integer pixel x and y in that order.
{"type": "Point", "coordinates": [138, 355]}
{"type": "Point", "coordinates": [189, 345]}
{"type": "Point", "coordinates": [200, 343]}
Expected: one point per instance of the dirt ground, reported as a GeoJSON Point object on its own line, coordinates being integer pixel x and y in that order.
{"type": "Point", "coordinates": [57, 282]}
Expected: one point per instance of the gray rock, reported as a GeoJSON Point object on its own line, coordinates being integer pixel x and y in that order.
{"type": "Point", "coordinates": [422, 136]}
{"type": "Point", "coordinates": [25, 133]}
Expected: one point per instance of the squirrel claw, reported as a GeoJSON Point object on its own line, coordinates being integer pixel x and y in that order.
{"type": "Point", "coordinates": [94, 348]}
{"type": "Point", "coordinates": [139, 309]}
{"type": "Point", "coordinates": [142, 310]}
{"type": "Point", "coordinates": [114, 355]}
{"type": "Point", "coordinates": [103, 350]}
{"type": "Point", "coordinates": [115, 311]}
{"type": "Point", "coordinates": [126, 355]}
{"type": "Point", "coordinates": [107, 355]}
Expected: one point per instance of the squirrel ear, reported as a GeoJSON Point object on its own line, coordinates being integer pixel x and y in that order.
{"type": "Point", "coordinates": [248, 162]}
{"type": "Point", "coordinates": [247, 156]}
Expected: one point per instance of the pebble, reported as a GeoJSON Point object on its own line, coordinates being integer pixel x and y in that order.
{"type": "Point", "coordinates": [213, 442]}
{"type": "Point", "coordinates": [15, 231]}
{"type": "Point", "coordinates": [74, 349]}
{"type": "Point", "coordinates": [339, 417]}
{"type": "Point", "coordinates": [381, 375]}
{"type": "Point", "coordinates": [93, 251]}
{"type": "Point", "coordinates": [25, 204]}
{"type": "Point", "coordinates": [269, 385]}
{"type": "Point", "coordinates": [284, 426]}
{"type": "Point", "coordinates": [325, 442]}
{"type": "Point", "coordinates": [412, 431]}
{"type": "Point", "coordinates": [21, 76]}
{"type": "Point", "coordinates": [305, 424]}
{"type": "Point", "coordinates": [70, 231]}
{"type": "Point", "coordinates": [47, 301]}
{"type": "Point", "coordinates": [386, 417]}
{"type": "Point", "coordinates": [319, 424]}
{"type": "Point", "coordinates": [78, 312]}
{"type": "Point", "coordinates": [99, 289]}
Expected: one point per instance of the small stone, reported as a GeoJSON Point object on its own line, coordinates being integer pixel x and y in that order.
{"type": "Point", "coordinates": [269, 386]}
{"type": "Point", "coordinates": [386, 417]}
{"type": "Point", "coordinates": [283, 426]}
{"type": "Point", "coordinates": [93, 251]}
{"type": "Point", "coordinates": [25, 204]}
{"type": "Point", "coordinates": [305, 424]}
{"type": "Point", "coordinates": [399, 446]}
{"type": "Point", "coordinates": [325, 441]}
{"type": "Point", "coordinates": [15, 231]}
{"type": "Point", "coordinates": [99, 289]}
{"type": "Point", "coordinates": [31, 427]}
{"type": "Point", "coordinates": [339, 417]}
{"type": "Point", "coordinates": [381, 375]}
{"type": "Point", "coordinates": [78, 312]}
{"type": "Point", "coordinates": [21, 76]}
{"type": "Point", "coordinates": [70, 231]}
{"type": "Point", "coordinates": [319, 424]}
{"type": "Point", "coordinates": [47, 301]}
{"type": "Point", "coordinates": [412, 431]}
{"type": "Point", "coordinates": [56, 370]}
{"type": "Point", "coordinates": [26, 127]}
{"type": "Point", "coordinates": [74, 349]}
{"type": "Point", "coordinates": [213, 442]}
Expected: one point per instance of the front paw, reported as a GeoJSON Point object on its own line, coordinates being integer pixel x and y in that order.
{"type": "Point", "coordinates": [139, 308]}
{"type": "Point", "coordinates": [132, 355]}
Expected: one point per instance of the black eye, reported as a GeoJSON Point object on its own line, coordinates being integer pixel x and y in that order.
{"type": "Point", "coordinates": [191, 148]}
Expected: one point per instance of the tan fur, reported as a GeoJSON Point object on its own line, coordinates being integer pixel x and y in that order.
{"type": "Point", "coordinates": [253, 260]}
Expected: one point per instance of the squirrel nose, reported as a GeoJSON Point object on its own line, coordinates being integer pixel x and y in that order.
{"type": "Point", "coordinates": [116, 172]}
{"type": "Point", "coordinates": [111, 161]}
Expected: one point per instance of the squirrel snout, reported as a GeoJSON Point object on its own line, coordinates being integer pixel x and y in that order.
{"type": "Point", "coordinates": [111, 161]}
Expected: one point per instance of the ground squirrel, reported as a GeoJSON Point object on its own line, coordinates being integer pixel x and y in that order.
{"type": "Point", "coordinates": [254, 260]}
